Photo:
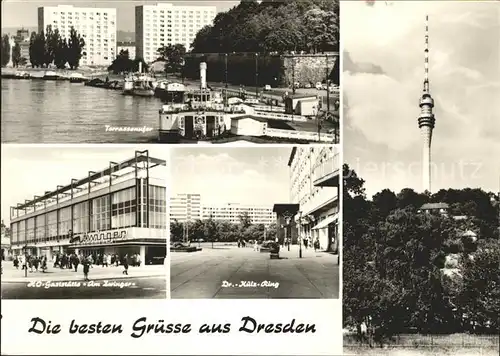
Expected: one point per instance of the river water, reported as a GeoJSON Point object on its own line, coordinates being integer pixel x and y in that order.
{"type": "Point", "coordinates": [39, 111]}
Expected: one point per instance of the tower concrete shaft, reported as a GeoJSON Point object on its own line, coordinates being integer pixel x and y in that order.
{"type": "Point", "coordinates": [426, 120]}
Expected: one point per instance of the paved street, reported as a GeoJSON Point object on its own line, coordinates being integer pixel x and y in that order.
{"type": "Point", "coordinates": [106, 282]}
{"type": "Point", "coordinates": [252, 274]}
{"type": "Point", "coordinates": [124, 288]}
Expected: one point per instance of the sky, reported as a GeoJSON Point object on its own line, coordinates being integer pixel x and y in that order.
{"type": "Point", "coordinates": [257, 176]}
{"type": "Point", "coordinates": [383, 85]}
{"type": "Point", "coordinates": [29, 171]}
{"type": "Point", "coordinates": [24, 13]}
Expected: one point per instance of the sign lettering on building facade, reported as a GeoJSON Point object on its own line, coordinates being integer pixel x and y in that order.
{"type": "Point", "coordinates": [101, 237]}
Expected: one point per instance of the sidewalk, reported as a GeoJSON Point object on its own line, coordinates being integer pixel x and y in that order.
{"type": "Point", "coordinates": [12, 275]}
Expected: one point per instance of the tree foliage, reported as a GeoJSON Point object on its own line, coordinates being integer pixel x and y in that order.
{"type": "Point", "coordinates": [48, 47]}
{"type": "Point", "coordinates": [173, 55]}
{"type": "Point", "coordinates": [124, 64]}
{"type": "Point", "coordinates": [283, 26]}
{"type": "Point", "coordinates": [211, 230]}
{"type": "Point", "coordinates": [5, 50]}
{"type": "Point", "coordinates": [16, 55]}
{"type": "Point", "coordinates": [395, 258]}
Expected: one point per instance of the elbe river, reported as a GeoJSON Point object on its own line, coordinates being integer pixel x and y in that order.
{"type": "Point", "coordinates": [40, 111]}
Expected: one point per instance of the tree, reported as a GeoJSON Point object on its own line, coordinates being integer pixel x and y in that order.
{"type": "Point", "coordinates": [76, 43]}
{"type": "Point", "coordinates": [122, 63]}
{"type": "Point", "coordinates": [16, 55]}
{"type": "Point", "coordinates": [211, 231]}
{"type": "Point", "coordinates": [245, 221]}
{"type": "Point", "coordinates": [174, 57]}
{"type": "Point", "coordinates": [52, 39]}
{"type": "Point", "coordinates": [5, 50]}
{"type": "Point", "coordinates": [309, 25]}
{"type": "Point", "coordinates": [37, 49]}
{"type": "Point", "coordinates": [61, 54]}
{"type": "Point", "coordinates": [176, 230]}
{"type": "Point", "coordinates": [384, 202]}
{"type": "Point", "coordinates": [478, 295]}
{"type": "Point", "coordinates": [408, 197]}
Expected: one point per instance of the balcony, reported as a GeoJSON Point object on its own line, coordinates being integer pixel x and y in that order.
{"type": "Point", "coordinates": [327, 173]}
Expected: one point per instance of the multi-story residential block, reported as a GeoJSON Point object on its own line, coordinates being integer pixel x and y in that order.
{"type": "Point", "coordinates": [126, 46]}
{"type": "Point", "coordinates": [232, 211]}
{"type": "Point", "coordinates": [96, 25]}
{"type": "Point", "coordinates": [166, 24]}
{"type": "Point", "coordinates": [314, 185]}
{"type": "Point", "coordinates": [185, 207]}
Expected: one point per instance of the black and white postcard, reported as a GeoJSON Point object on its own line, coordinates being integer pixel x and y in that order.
{"type": "Point", "coordinates": [421, 178]}
{"type": "Point", "coordinates": [84, 223]}
{"type": "Point", "coordinates": [255, 223]}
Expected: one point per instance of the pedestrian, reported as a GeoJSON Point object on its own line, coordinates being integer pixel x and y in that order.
{"type": "Point", "coordinates": [117, 260]}
{"type": "Point", "coordinates": [36, 262]}
{"type": "Point", "coordinates": [104, 260]}
{"type": "Point", "coordinates": [125, 264]}
{"type": "Point", "coordinates": [108, 260]}
{"type": "Point", "coordinates": [16, 263]}
{"type": "Point", "coordinates": [306, 242]}
{"type": "Point", "coordinates": [44, 264]}
{"type": "Point", "coordinates": [86, 269]}
{"type": "Point", "coordinates": [255, 246]}
{"type": "Point", "coordinates": [139, 260]}
{"type": "Point", "coordinates": [76, 262]}
{"type": "Point", "coordinates": [316, 245]}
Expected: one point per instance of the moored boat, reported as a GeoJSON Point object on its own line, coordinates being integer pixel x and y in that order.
{"type": "Point", "coordinates": [50, 75]}
{"type": "Point", "coordinates": [172, 93]}
{"type": "Point", "coordinates": [77, 78]}
{"type": "Point", "coordinates": [22, 75]}
{"type": "Point", "coordinates": [139, 85]}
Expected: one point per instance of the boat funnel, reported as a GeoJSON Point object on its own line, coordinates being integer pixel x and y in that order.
{"type": "Point", "coordinates": [203, 75]}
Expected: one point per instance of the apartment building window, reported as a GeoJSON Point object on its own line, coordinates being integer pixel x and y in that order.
{"type": "Point", "coordinates": [52, 225]}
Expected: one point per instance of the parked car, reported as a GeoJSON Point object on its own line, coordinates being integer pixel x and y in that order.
{"type": "Point", "coordinates": [318, 86]}
{"type": "Point", "coordinates": [267, 87]}
{"type": "Point", "coordinates": [324, 86]}
{"type": "Point", "coordinates": [308, 86]}
{"type": "Point", "coordinates": [266, 246]}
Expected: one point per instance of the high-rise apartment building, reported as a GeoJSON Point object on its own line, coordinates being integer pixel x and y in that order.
{"type": "Point", "coordinates": [314, 185]}
{"type": "Point", "coordinates": [185, 207]}
{"type": "Point", "coordinates": [232, 211]}
{"type": "Point", "coordinates": [167, 24]}
{"type": "Point", "coordinates": [96, 25]}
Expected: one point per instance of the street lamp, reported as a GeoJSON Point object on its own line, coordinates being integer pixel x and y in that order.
{"type": "Point", "coordinates": [293, 75]}
{"type": "Point", "coordinates": [327, 86]}
{"type": "Point", "coordinates": [287, 216]}
{"type": "Point", "coordinates": [256, 75]}
{"type": "Point", "coordinates": [300, 236]}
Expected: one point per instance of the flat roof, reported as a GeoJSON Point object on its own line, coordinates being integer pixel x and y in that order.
{"type": "Point", "coordinates": [141, 156]}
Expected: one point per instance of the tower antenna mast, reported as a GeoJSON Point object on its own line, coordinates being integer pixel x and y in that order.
{"type": "Point", "coordinates": [426, 120]}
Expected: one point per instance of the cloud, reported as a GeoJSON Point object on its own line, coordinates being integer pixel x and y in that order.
{"type": "Point", "coordinates": [382, 109]}
{"type": "Point", "coordinates": [353, 68]}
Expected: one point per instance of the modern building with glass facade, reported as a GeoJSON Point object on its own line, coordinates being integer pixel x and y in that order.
{"type": "Point", "coordinates": [118, 210]}
{"type": "Point", "coordinates": [314, 186]}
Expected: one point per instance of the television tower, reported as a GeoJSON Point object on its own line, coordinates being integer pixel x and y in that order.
{"type": "Point", "coordinates": [426, 118]}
